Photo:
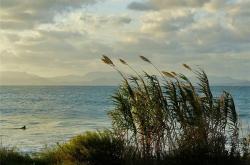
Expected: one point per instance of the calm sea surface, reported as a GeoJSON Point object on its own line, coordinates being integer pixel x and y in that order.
{"type": "Point", "coordinates": [54, 114]}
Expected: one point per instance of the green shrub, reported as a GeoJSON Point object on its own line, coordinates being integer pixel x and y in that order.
{"type": "Point", "coordinates": [13, 157]}
{"type": "Point", "coordinates": [92, 148]}
{"type": "Point", "coordinates": [51, 156]}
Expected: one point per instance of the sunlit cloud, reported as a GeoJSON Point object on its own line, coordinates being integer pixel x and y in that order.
{"type": "Point", "coordinates": [50, 38]}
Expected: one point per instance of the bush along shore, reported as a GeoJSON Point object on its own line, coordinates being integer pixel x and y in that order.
{"type": "Point", "coordinates": [157, 119]}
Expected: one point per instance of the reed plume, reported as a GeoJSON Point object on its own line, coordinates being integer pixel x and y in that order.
{"type": "Point", "coordinates": [145, 59]}
{"type": "Point", "coordinates": [187, 67]}
{"type": "Point", "coordinates": [107, 60]}
{"type": "Point", "coordinates": [175, 117]}
{"type": "Point", "coordinates": [170, 75]}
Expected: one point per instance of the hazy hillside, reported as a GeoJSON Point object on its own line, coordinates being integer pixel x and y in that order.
{"type": "Point", "coordinates": [215, 80]}
{"type": "Point", "coordinates": [21, 78]}
{"type": "Point", "coordinates": [93, 78]}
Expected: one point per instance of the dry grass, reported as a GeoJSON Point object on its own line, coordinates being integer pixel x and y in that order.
{"type": "Point", "coordinates": [168, 116]}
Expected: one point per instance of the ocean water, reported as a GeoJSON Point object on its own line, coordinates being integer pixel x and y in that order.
{"type": "Point", "coordinates": [54, 114]}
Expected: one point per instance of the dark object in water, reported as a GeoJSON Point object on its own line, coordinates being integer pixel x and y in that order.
{"type": "Point", "coordinates": [24, 127]}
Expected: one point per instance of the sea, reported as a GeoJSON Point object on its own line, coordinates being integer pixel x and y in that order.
{"type": "Point", "coordinates": [54, 114]}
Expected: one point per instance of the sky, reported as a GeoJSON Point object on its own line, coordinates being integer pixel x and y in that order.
{"type": "Point", "coordinates": [68, 37]}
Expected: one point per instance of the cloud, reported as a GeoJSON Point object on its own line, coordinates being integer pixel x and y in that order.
{"type": "Point", "coordinates": [215, 39]}
{"type": "Point", "coordinates": [65, 44]}
{"type": "Point", "coordinates": [64, 38]}
{"type": "Point", "coordinates": [166, 23]}
{"type": "Point", "coordinates": [199, 31]}
{"type": "Point", "coordinates": [31, 13]}
{"type": "Point", "coordinates": [141, 6]}
{"type": "Point", "coordinates": [14, 25]}
{"type": "Point", "coordinates": [30, 5]}
{"type": "Point", "coordinates": [165, 4]}
{"type": "Point", "coordinates": [99, 21]}
{"type": "Point", "coordinates": [124, 20]}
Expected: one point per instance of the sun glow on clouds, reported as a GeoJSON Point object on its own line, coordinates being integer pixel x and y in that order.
{"type": "Point", "coordinates": [51, 38]}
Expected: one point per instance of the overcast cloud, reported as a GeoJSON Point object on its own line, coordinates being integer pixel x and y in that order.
{"type": "Point", "coordinates": [60, 37]}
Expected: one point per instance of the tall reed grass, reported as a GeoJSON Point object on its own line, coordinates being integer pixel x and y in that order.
{"type": "Point", "coordinates": [167, 115]}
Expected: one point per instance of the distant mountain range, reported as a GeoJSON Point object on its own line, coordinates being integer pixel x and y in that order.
{"type": "Point", "coordinates": [93, 78]}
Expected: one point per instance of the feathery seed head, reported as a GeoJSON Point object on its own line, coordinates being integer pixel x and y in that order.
{"type": "Point", "coordinates": [173, 73]}
{"type": "Point", "coordinates": [145, 59]}
{"type": "Point", "coordinates": [186, 66]}
{"type": "Point", "coordinates": [107, 60]}
{"type": "Point", "coordinates": [123, 62]}
{"type": "Point", "coordinates": [168, 74]}
{"type": "Point", "coordinates": [183, 77]}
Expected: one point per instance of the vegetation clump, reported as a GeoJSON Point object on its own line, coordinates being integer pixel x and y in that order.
{"type": "Point", "coordinates": [168, 117]}
{"type": "Point", "coordinates": [10, 156]}
{"type": "Point", "coordinates": [93, 148]}
{"type": "Point", "coordinates": [157, 119]}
